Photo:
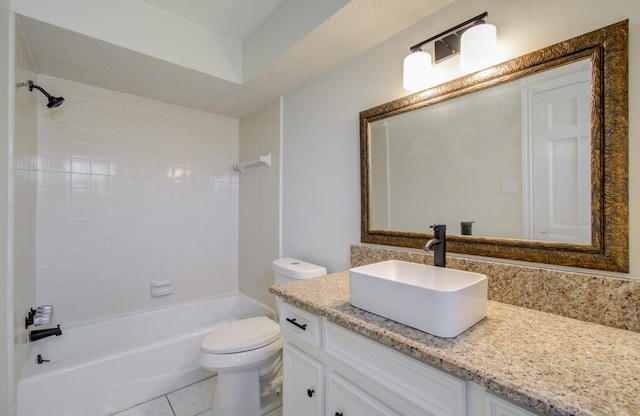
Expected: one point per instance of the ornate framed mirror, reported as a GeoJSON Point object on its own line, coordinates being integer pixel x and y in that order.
{"type": "Point", "coordinates": [529, 158]}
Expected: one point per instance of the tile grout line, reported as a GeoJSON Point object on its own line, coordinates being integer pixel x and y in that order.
{"type": "Point", "coordinates": [166, 396]}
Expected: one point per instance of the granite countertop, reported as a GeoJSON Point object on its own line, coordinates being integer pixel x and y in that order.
{"type": "Point", "coordinates": [556, 365]}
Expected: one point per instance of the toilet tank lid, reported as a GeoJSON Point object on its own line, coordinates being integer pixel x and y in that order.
{"type": "Point", "coordinates": [297, 269]}
{"type": "Point", "coordinates": [242, 335]}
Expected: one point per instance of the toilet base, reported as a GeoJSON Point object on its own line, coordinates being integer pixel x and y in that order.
{"type": "Point", "coordinates": [237, 394]}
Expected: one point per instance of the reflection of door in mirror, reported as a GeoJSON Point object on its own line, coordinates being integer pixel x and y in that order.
{"type": "Point", "coordinates": [557, 150]}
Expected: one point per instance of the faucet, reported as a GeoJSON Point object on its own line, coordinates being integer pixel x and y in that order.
{"type": "Point", "coordinates": [44, 333]}
{"type": "Point", "coordinates": [438, 244]}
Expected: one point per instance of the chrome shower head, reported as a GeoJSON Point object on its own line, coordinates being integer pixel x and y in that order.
{"type": "Point", "coordinates": [53, 101]}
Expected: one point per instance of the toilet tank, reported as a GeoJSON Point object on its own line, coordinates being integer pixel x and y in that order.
{"type": "Point", "coordinates": [288, 269]}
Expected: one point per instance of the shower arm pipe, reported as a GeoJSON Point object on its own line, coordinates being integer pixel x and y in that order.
{"type": "Point", "coordinates": [32, 86]}
{"type": "Point", "coordinates": [264, 160]}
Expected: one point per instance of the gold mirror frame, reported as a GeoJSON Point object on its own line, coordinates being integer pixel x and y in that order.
{"type": "Point", "coordinates": [609, 248]}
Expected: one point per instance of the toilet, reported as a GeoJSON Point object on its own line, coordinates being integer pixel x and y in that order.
{"type": "Point", "coordinates": [244, 351]}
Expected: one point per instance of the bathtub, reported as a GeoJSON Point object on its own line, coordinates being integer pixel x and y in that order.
{"type": "Point", "coordinates": [110, 365]}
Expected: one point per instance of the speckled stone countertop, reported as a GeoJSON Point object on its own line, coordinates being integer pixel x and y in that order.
{"type": "Point", "coordinates": [553, 364]}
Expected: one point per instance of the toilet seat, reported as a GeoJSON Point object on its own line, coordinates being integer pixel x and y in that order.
{"type": "Point", "coordinates": [242, 335]}
{"type": "Point", "coordinates": [241, 345]}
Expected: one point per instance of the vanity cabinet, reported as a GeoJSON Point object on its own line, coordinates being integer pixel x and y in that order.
{"type": "Point", "coordinates": [345, 398]}
{"type": "Point", "coordinates": [498, 407]}
{"type": "Point", "coordinates": [304, 388]}
{"type": "Point", "coordinates": [303, 383]}
{"type": "Point", "coordinates": [332, 371]}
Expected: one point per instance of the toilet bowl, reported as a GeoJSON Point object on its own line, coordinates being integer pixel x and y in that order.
{"type": "Point", "coordinates": [242, 351]}
{"type": "Point", "coordinates": [238, 351]}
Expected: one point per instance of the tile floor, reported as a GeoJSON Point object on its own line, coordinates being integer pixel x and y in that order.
{"type": "Point", "coordinates": [193, 400]}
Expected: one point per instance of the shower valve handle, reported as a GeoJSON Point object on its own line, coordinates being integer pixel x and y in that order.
{"type": "Point", "coordinates": [41, 360]}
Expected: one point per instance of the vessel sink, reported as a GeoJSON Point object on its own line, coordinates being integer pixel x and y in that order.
{"type": "Point", "coordinates": [440, 301]}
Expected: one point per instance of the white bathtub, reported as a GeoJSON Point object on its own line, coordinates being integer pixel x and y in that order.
{"type": "Point", "coordinates": [111, 365]}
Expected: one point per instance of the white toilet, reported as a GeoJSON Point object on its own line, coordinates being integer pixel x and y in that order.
{"type": "Point", "coordinates": [241, 351]}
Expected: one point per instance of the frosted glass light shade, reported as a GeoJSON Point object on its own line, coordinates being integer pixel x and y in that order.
{"type": "Point", "coordinates": [416, 67]}
{"type": "Point", "coordinates": [478, 47]}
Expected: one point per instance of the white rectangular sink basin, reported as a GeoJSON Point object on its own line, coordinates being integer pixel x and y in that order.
{"type": "Point", "coordinates": [443, 302]}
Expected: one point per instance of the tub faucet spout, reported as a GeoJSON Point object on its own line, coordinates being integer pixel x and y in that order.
{"type": "Point", "coordinates": [44, 333]}
{"type": "Point", "coordinates": [438, 244]}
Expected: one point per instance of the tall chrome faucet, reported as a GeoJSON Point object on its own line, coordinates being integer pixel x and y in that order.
{"type": "Point", "coordinates": [438, 244]}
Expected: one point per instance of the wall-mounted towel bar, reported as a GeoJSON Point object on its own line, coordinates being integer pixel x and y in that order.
{"type": "Point", "coordinates": [264, 160]}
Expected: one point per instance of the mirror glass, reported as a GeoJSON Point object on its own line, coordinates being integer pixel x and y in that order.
{"type": "Point", "coordinates": [525, 160]}
{"type": "Point", "coordinates": [511, 161]}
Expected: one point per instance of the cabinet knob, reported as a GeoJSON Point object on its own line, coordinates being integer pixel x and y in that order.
{"type": "Point", "coordinates": [310, 392]}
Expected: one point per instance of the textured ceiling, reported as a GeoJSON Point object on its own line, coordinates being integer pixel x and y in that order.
{"type": "Point", "coordinates": [353, 29]}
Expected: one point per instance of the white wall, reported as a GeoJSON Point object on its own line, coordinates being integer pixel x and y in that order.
{"type": "Point", "coordinates": [132, 191]}
{"type": "Point", "coordinates": [260, 202]}
{"type": "Point", "coordinates": [23, 205]}
{"type": "Point", "coordinates": [321, 184]}
{"type": "Point", "coordinates": [7, 386]}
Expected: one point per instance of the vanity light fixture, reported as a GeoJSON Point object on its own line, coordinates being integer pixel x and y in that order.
{"type": "Point", "coordinates": [478, 47]}
{"type": "Point", "coordinates": [414, 69]}
{"type": "Point", "coordinates": [473, 39]}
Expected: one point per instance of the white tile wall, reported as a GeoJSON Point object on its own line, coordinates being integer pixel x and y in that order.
{"type": "Point", "coordinates": [260, 202]}
{"type": "Point", "coordinates": [132, 191]}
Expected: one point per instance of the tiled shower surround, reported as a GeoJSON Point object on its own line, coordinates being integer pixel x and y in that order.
{"type": "Point", "coordinates": [132, 191]}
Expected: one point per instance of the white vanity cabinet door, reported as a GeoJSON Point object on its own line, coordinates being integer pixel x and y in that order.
{"type": "Point", "coordinates": [303, 384]}
{"type": "Point", "coordinates": [482, 403]}
{"type": "Point", "coordinates": [499, 407]}
{"type": "Point", "coordinates": [345, 399]}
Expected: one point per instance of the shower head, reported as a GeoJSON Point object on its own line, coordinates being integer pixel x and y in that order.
{"type": "Point", "coordinates": [53, 101]}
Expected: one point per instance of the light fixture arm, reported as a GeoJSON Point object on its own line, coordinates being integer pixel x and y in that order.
{"type": "Point", "coordinates": [453, 29]}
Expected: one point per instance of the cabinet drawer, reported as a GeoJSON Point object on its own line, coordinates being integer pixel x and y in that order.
{"type": "Point", "coordinates": [432, 390]}
{"type": "Point", "coordinates": [298, 324]}
{"type": "Point", "coordinates": [345, 399]}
